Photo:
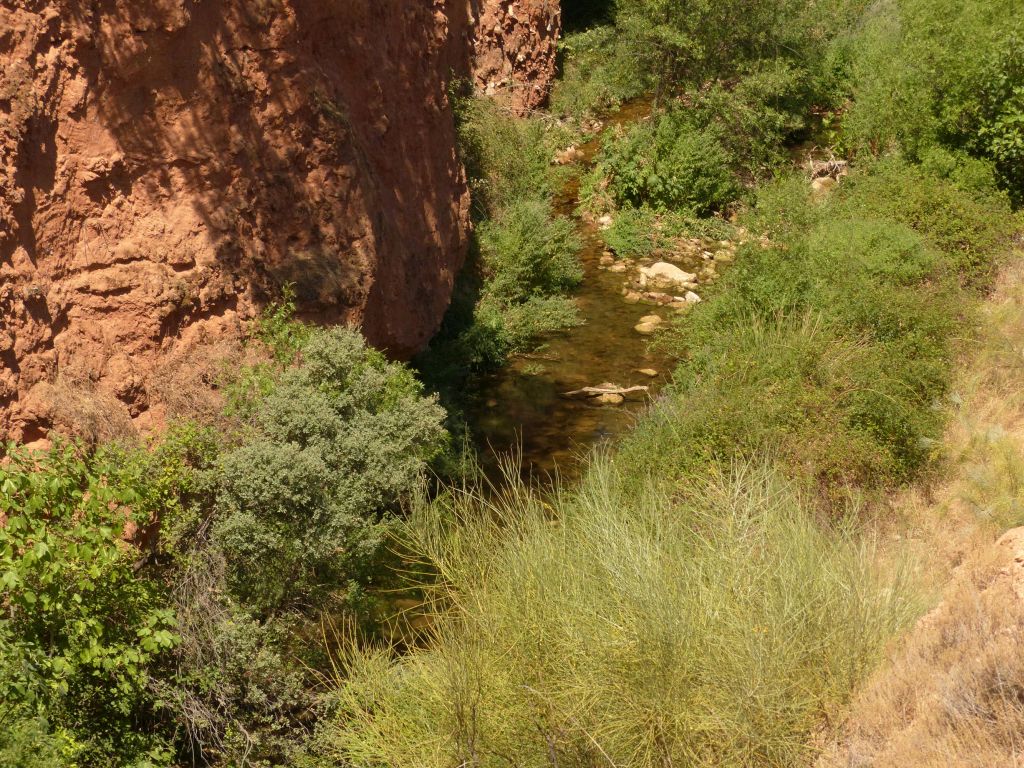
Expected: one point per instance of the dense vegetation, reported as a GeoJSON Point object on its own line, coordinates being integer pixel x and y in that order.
{"type": "Point", "coordinates": [168, 603]}
{"type": "Point", "coordinates": [709, 593]}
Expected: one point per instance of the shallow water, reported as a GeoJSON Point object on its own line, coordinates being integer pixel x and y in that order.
{"type": "Point", "coordinates": [522, 408]}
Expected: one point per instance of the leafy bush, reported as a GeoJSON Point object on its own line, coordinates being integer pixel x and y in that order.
{"type": "Point", "coordinates": [666, 164]}
{"type": "Point", "coordinates": [1000, 131]}
{"type": "Point", "coordinates": [81, 629]}
{"type": "Point", "coordinates": [633, 233]}
{"type": "Point", "coordinates": [523, 258]}
{"type": "Point", "coordinates": [600, 71]}
{"type": "Point", "coordinates": [27, 743]}
{"type": "Point", "coordinates": [506, 159]}
{"type": "Point", "coordinates": [756, 117]}
{"type": "Point", "coordinates": [914, 88]}
{"type": "Point", "coordinates": [528, 253]}
{"type": "Point", "coordinates": [832, 345]}
{"type": "Point", "coordinates": [969, 225]}
{"type": "Point", "coordinates": [340, 438]}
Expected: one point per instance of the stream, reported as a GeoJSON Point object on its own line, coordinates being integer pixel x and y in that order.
{"type": "Point", "coordinates": [522, 408]}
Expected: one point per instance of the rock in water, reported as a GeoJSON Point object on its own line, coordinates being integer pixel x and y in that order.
{"type": "Point", "coordinates": [665, 275]}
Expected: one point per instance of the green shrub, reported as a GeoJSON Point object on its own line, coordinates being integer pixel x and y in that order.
{"type": "Point", "coordinates": [600, 71]}
{"type": "Point", "coordinates": [1000, 113]}
{"type": "Point", "coordinates": [633, 233]}
{"type": "Point", "coordinates": [528, 253]}
{"type": "Point", "coordinates": [507, 159]}
{"type": "Point", "coordinates": [606, 626]}
{"type": "Point", "coordinates": [756, 117]}
{"type": "Point", "coordinates": [968, 225]}
{"type": "Point", "coordinates": [343, 435]}
{"type": "Point", "coordinates": [914, 88]}
{"type": "Point", "coordinates": [81, 629]}
{"type": "Point", "coordinates": [666, 164]}
{"type": "Point", "coordinates": [27, 743]}
{"type": "Point", "coordinates": [832, 345]}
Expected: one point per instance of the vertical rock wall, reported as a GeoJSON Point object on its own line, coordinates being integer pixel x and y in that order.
{"type": "Point", "coordinates": [166, 165]}
{"type": "Point", "coordinates": [514, 50]}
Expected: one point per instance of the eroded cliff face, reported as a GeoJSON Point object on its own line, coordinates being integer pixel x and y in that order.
{"type": "Point", "coordinates": [514, 47]}
{"type": "Point", "coordinates": [167, 165]}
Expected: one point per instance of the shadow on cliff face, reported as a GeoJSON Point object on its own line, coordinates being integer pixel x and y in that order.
{"type": "Point", "coordinates": [313, 141]}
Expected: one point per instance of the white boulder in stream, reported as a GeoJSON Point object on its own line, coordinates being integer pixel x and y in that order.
{"type": "Point", "coordinates": [665, 275]}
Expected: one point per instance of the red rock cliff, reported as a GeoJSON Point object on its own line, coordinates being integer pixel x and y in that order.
{"type": "Point", "coordinates": [166, 165]}
{"type": "Point", "coordinates": [515, 43]}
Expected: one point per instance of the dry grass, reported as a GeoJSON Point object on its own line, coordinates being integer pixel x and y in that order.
{"type": "Point", "coordinates": [952, 694]}
{"type": "Point", "coordinates": [82, 411]}
{"type": "Point", "coordinates": [188, 384]}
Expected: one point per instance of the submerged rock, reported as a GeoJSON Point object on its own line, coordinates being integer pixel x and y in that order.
{"type": "Point", "coordinates": [648, 324]}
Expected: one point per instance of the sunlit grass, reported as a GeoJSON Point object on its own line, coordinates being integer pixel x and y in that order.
{"type": "Point", "coordinates": [599, 627]}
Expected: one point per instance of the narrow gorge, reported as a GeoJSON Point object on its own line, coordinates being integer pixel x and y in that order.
{"type": "Point", "coordinates": [511, 383]}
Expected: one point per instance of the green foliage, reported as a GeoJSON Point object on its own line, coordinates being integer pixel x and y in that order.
{"type": "Point", "coordinates": [277, 330]}
{"type": "Point", "coordinates": [702, 40]}
{"type": "Point", "coordinates": [528, 253]}
{"type": "Point", "coordinates": [339, 440]}
{"type": "Point", "coordinates": [633, 233]}
{"type": "Point", "coordinates": [666, 164]}
{"type": "Point", "coordinates": [81, 629]}
{"type": "Point", "coordinates": [27, 743]}
{"type": "Point", "coordinates": [506, 159]}
{"type": "Point", "coordinates": [914, 87]}
{"type": "Point", "coordinates": [600, 71]}
{"type": "Point", "coordinates": [969, 224]}
{"type": "Point", "coordinates": [1000, 113]}
{"type": "Point", "coordinates": [607, 626]}
{"type": "Point", "coordinates": [280, 336]}
{"type": "Point", "coordinates": [758, 115]}
{"type": "Point", "coordinates": [524, 256]}
{"type": "Point", "coordinates": [831, 346]}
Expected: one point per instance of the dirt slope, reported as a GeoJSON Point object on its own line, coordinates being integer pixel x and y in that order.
{"type": "Point", "coordinates": [166, 165]}
{"type": "Point", "coordinates": [952, 691]}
